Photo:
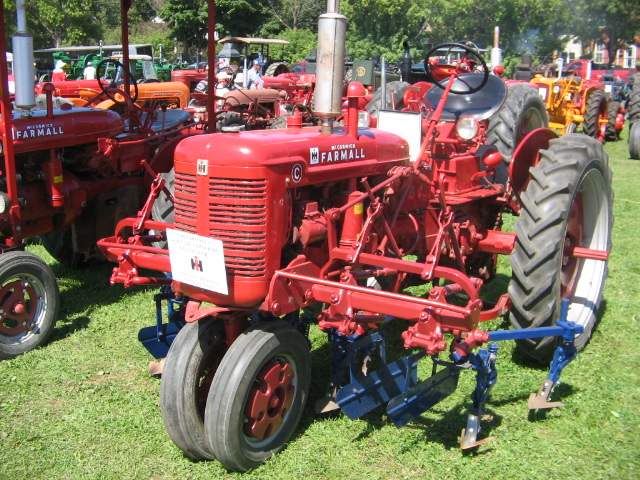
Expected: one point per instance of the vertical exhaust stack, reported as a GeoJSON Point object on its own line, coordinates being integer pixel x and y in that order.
{"type": "Point", "coordinates": [332, 32]}
{"type": "Point", "coordinates": [23, 60]}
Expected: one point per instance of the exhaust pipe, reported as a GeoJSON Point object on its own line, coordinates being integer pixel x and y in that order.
{"type": "Point", "coordinates": [23, 60]}
{"type": "Point", "coordinates": [332, 32]}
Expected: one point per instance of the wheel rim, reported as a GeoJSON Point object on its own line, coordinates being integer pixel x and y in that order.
{"type": "Point", "coordinates": [22, 308]}
{"type": "Point", "coordinates": [582, 280]}
{"type": "Point", "coordinates": [270, 400]}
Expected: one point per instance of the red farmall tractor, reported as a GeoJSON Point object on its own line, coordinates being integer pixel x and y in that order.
{"type": "Point", "coordinates": [68, 175]}
{"type": "Point", "coordinates": [278, 229]}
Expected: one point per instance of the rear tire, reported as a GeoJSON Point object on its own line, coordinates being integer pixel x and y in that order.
{"type": "Point", "coordinates": [29, 299]}
{"type": "Point", "coordinates": [596, 115]}
{"type": "Point", "coordinates": [633, 107]}
{"type": "Point", "coordinates": [163, 209]}
{"type": "Point", "coordinates": [634, 141]}
{"type": "Point", "coordinates": [568, 202]}
{"type": "Point", "coordinates": [193, 360]}
{"type": "Point", "coordinates": [257, 395]}
{"type": "Point", "coordinates": [613, 135]}
{"type": "Point", "coordinates": [522, 112]}
{"type": "Point", "coordinates": [394, 96]}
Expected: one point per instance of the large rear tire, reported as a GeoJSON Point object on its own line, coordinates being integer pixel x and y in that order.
{"type": "Point", "coordinates": [567, 203]}
{"type": "Point", "coordinates": [596, 115]}
{"type": "Point", "coordinates": [613, 131]}
{"type": "Point", "coordinates": [190, 366]}
{"type": "Point", "coordinates": [633, 107]}
{"type": "Point", "coordinates": [634, 141]}
{"type": "Point", "coordinates": [257, 395]}
{"type": "Point", "coordinates": [394, 98]}
{"type": "Point", "coordinates": [29, 299]}
{"type": "Point", "coordinates": [522, 112]}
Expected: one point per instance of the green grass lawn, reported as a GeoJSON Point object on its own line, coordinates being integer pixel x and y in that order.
{"type": "Point", "coordinates": [84, 407]}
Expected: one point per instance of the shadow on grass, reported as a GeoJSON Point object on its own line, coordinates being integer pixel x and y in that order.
{"type": "Point", "coordinates": [81, 291]}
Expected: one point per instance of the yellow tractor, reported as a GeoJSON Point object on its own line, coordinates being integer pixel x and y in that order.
{"type": "Point", "coordinates": [573, 102]}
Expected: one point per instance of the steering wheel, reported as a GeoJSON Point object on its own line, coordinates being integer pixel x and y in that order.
{"type": "Point", "coordinates": [230, 80]}
{"type": "Point", "coordinates": [467, 64]}
{"type": "Point", "coordinates": [111, 90]}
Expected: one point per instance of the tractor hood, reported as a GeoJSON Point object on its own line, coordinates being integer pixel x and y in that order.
{"type": "Point", "coordinates": [309, 155]}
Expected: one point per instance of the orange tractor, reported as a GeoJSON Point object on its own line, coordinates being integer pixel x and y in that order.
{"type": "Point", "coordinates": [573, 102]}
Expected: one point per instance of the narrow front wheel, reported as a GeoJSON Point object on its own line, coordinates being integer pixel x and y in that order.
{"type": "Point", "coordinates": [257, 395]}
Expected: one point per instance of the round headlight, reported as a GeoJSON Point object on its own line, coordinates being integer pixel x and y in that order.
{"type": "Point", "coordinates": [467, 127]}
{"type": "Point", "coordinates": [556, 89]}
{"type": "Point", "coordinates": [5, 203]}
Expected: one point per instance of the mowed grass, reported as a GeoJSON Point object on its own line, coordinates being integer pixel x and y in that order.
{"type": "Point", "coordinates": [84, 407]}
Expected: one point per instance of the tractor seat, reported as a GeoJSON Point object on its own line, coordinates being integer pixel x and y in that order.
{"type": "Point", "coordinates": [480, 105]}
{"type": "Point", "coordinates": [171, 118]}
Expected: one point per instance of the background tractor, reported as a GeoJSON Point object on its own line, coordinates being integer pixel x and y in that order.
{"type": "Point", "coordinates": [68, 175]}
{"type": "Point", "coordinates": [274, 230]}
{"type": "Point", "coordinates": [573, 102]}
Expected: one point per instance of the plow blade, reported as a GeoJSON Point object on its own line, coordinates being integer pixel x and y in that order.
{"type": "Point", "coordinates": [412, 403]}
{"type": "Point", "coordinates": [377, 388]}
{"type": "Point", "coordinates": [157, 339]}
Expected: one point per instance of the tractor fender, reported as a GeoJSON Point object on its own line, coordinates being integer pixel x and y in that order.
{"type": "Point", "coordinates": [525, 156]}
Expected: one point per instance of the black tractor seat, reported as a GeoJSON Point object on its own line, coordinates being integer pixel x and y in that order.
{"type": "Point", "coordinates": [480, 105]}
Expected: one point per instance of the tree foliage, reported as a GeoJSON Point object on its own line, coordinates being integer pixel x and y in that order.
{"type": "Point", "coordinates": [374, 26]}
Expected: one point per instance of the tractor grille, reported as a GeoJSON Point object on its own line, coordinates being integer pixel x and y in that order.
{"type": "Point", "coordinates": [236, 214]}
{"type": "Point", "coordinates": [238, 217]}
{"type": "Point", "coordinates": [186, 215]}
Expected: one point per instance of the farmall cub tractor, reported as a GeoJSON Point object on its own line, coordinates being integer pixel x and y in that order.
{"type": "Point", "coordinates": [277, 229]}
{"type": "Point", "coordinates": [68, 175]}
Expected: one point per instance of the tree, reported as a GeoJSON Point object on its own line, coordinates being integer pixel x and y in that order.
{"type": "Point", "coordinates": [615, 22]}
{"type": "Point", "coordinates": [294, 14]}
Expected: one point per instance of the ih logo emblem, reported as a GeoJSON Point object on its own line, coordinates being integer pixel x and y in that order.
{"type": "Point", "coordinates": [203, 167]}
{"type": "Point", "coordinates": [314, 155]}
{"type": "Point", "coordinates": [196, 264]}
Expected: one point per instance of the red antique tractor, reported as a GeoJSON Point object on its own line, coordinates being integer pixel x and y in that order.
{"type": "Point", "coordinates": [68, 175]}
{"type": "Point", "coordinates": [277, 229]}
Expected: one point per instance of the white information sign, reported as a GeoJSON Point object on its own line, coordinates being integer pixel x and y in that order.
{"type": "Point", "coordinates": [197, 261]}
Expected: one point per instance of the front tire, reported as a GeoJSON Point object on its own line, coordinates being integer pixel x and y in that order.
{"type": "Point", "coordinates": [257, 395]}
{"type": "Point", "coordinates": [191, 364]}
{"type": "Point", "coordinates": [29, 299]}
{"type": "Point", "coordinates": [567, 203]}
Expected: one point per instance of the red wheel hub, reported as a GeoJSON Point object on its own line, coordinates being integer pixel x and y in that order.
{"type": "Point", "coordinates": [269, 400]}
{"type": "Point", "coordinates": [18, 306]}
{"type": "Point", "coordinates": [572, 239]}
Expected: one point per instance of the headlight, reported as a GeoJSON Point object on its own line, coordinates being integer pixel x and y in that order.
{"type": "Point", "coordinates": [556, 89]}
{"type": "Point", "coordinates": [5, 203]}
{"type": "Point", "coordinates": [467, 127]}
{"type": "Point", "coordinates": [364, 119]}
